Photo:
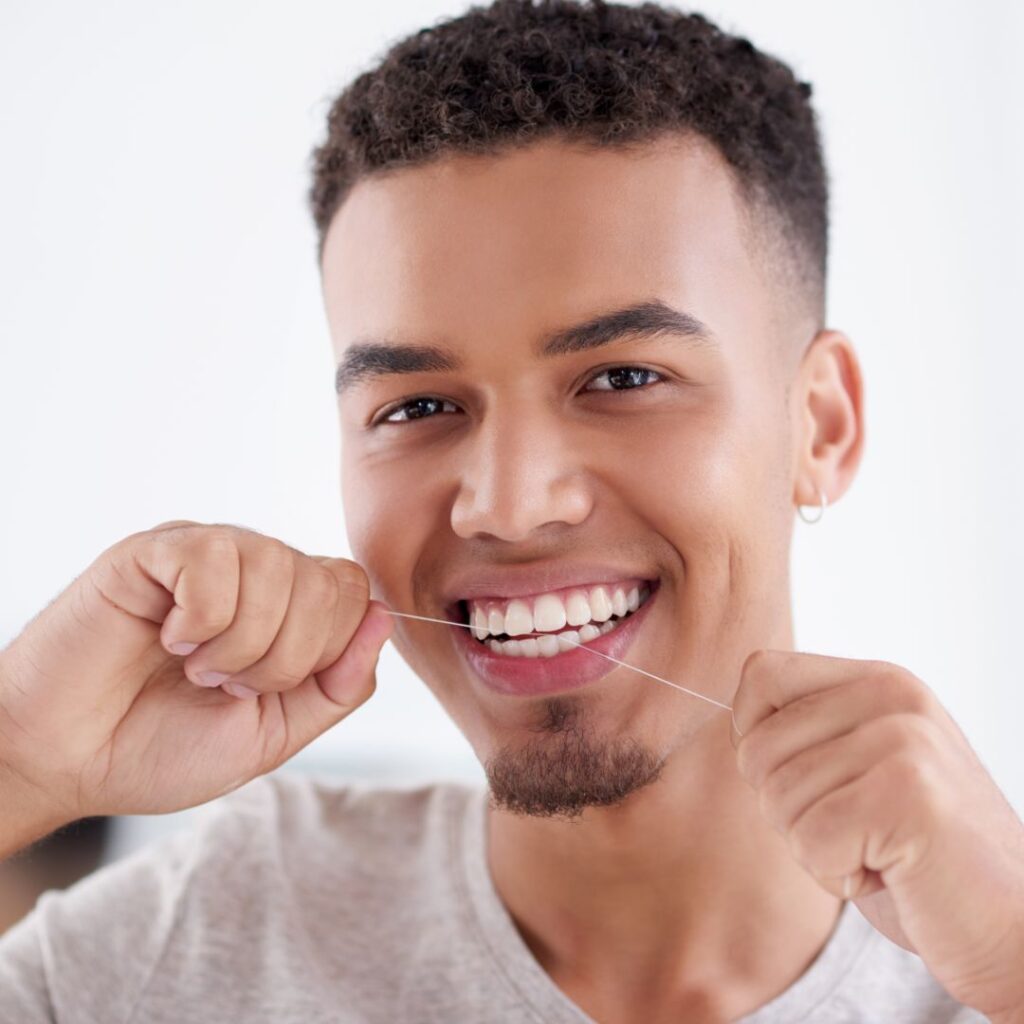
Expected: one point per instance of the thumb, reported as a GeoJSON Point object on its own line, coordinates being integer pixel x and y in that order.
{"type": "Point", "coordinates": [332, 694]}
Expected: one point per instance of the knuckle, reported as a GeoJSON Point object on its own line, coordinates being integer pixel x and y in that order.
{"type": "Point", "coordinates": [323, 584]}
{"type": "Point", "coordinates": [285, 675]}
{"type": "Point", "coordinates": [755, 664]}
{"type": "Point", "coordinates": [210, 616]}
{"type": "Point", "coordinates": [919, 699]}
{"type": "Point", "coordinates": [352, 588]}
{"type": "Point", "coordinates": [825, 821]}
{"type": "Point", "coordinates": [893, 678]}
{"type": "Point", "coordinates": [244, 650]}
{"type": "Point", "coordinates": [352, 582]}
{"type": "Point", "coordinates": [911, 734]}
{"type": "Point", "coordinates": [275, 555]}
{"type": "Point", "coordinates": [906, 772]}
{"type": "Point", "coordinates": [882, 672]}
{"type": "Point", "coordinates": [217, 539]}
{"type": "Point", "coordinates": [903, 688]}
{"type": "Point", "coordinates": [755, 659]}
{"type": "Point", "coordinates": [352, 574]}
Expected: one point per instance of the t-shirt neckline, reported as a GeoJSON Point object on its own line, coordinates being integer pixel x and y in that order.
{"type": "Point", "coordinates": [515, 963]}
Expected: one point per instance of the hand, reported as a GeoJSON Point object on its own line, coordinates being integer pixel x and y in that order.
{"type": "Point", "coordinates": [882, 800]}
{"type": "Point", "coordinates": [99, 715]}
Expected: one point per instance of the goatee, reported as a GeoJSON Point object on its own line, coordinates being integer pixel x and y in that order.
{"type": "Point", "coordinates": [567, 768]}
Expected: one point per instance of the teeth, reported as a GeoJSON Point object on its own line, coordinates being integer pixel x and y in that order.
{"type": "Point", "coordinates": [590, 610]}
{"type": "Point", "coordinates": [568, 640]}
{"type": "Point", "coordinates": [550, 644]}
{"type": "Point", "coordinates": [600, 605]}
{"type": "Point", "coordinates": [577, 609]}
{"type": "Point", "coordinates": [480, 629]}
{"type": "Point", "coordinates": [518, 618]}
{"type": "Point", "coordinates": [495, 621]}
{"type": "Point", "coordinates": [548, 614]}
{"type": "Point", "coordinates": [547, 645]}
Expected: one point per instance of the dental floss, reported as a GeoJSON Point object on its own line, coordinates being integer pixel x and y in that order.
{"type": "Point", "coordinates": [608, 657]}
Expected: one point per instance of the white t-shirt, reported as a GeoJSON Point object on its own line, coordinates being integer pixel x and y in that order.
{"type": "Point", "coordinates": [298, 901]}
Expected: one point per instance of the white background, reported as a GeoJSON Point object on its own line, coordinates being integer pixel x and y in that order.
{"type": "Point", "coordinates": [165, 354]}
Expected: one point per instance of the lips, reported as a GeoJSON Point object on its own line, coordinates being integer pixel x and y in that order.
{"type": "Point", "coordinates": [507, 654]}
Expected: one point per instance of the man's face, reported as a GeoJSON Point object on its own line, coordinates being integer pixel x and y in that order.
{"type": "Point", "coordinates": [509, 464]}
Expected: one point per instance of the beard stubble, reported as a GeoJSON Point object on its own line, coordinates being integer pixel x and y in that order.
{"type": "Point", "coordinates": [566, 767]}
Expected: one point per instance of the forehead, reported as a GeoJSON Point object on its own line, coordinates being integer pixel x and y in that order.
{"type": "Point", "coordinates": [534, 236]}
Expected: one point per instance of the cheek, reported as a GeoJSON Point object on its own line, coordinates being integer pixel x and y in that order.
{"type": "Point", "coordinates": [712, 482]}
{"type": "Point", "coordinates": [387, 518]}
{"type": "Point", "coordinates": [682, 470]}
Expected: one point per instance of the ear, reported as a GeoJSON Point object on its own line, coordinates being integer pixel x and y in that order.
{"type": "Point", "coordinates": [827, 412]}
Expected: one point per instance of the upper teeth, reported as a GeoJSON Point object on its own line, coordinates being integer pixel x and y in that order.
{"type": "Point", "coordinates": [548, 613]}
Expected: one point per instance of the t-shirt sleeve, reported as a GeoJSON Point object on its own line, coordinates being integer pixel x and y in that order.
{"type": "Point", "coordinates": [83, 955]}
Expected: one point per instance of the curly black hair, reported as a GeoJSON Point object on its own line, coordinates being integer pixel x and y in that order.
{"type": "Point", "coordinates": [591, 72]}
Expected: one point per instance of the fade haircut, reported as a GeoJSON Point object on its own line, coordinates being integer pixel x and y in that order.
{"type": "Point", "coordinates": [596, 74]}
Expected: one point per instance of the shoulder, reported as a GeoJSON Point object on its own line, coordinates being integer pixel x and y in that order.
{"type": "Point", "coordinates": [304, 812]}
{"type": "Point", "coordinates": [299, 837]}
{"type": "Point", "coordinates": [249, 864]}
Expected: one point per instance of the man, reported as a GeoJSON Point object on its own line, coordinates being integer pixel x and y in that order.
{"type": "Point", "coordinates": [573, 261]}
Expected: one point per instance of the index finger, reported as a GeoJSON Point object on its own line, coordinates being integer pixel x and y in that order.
{"type": "Point", "coordinates": [769, 680]}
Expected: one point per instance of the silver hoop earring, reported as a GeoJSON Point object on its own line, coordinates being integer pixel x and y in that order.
{"type": "Point", "coordinates": [823, 502]}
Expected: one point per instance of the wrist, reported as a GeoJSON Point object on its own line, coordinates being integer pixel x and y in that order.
{"type": "Point", "coordinates": [25, 814]}
{"type": "Point", "coordinates": [27, 811]}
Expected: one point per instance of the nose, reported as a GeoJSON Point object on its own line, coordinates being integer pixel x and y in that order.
{"type": "Point", "coordinates": [519, 476]}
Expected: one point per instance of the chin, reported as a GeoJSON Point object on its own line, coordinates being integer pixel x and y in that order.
{"type": "Point", "coordinates": [562, 763]}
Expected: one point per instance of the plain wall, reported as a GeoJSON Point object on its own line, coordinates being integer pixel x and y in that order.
{"type": "Point", "coordinates": [165, 353]}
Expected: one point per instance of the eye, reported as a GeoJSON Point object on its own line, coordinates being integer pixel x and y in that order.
{"type": "Point", "coordinates": [417, 409]}
{"type": "Point", "coordinates": [623, 378]}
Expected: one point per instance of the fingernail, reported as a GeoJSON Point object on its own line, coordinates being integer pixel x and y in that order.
{"type": "Point", "coordinates": [238, 690]}
{"type": "Point", "coordinates": [211, 678]}
{"type": "Point", "coordinates": [182, 647]}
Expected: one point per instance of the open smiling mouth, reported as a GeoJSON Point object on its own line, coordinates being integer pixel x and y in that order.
{"type": "Point", "coordinates": [575, 615]}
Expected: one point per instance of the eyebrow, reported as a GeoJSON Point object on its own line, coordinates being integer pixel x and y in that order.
{"type": "Point", "coordinates": [370, 358]}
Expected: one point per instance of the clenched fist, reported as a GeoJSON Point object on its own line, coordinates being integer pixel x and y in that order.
{"type": "Point", "coordinates": [184, 661]}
